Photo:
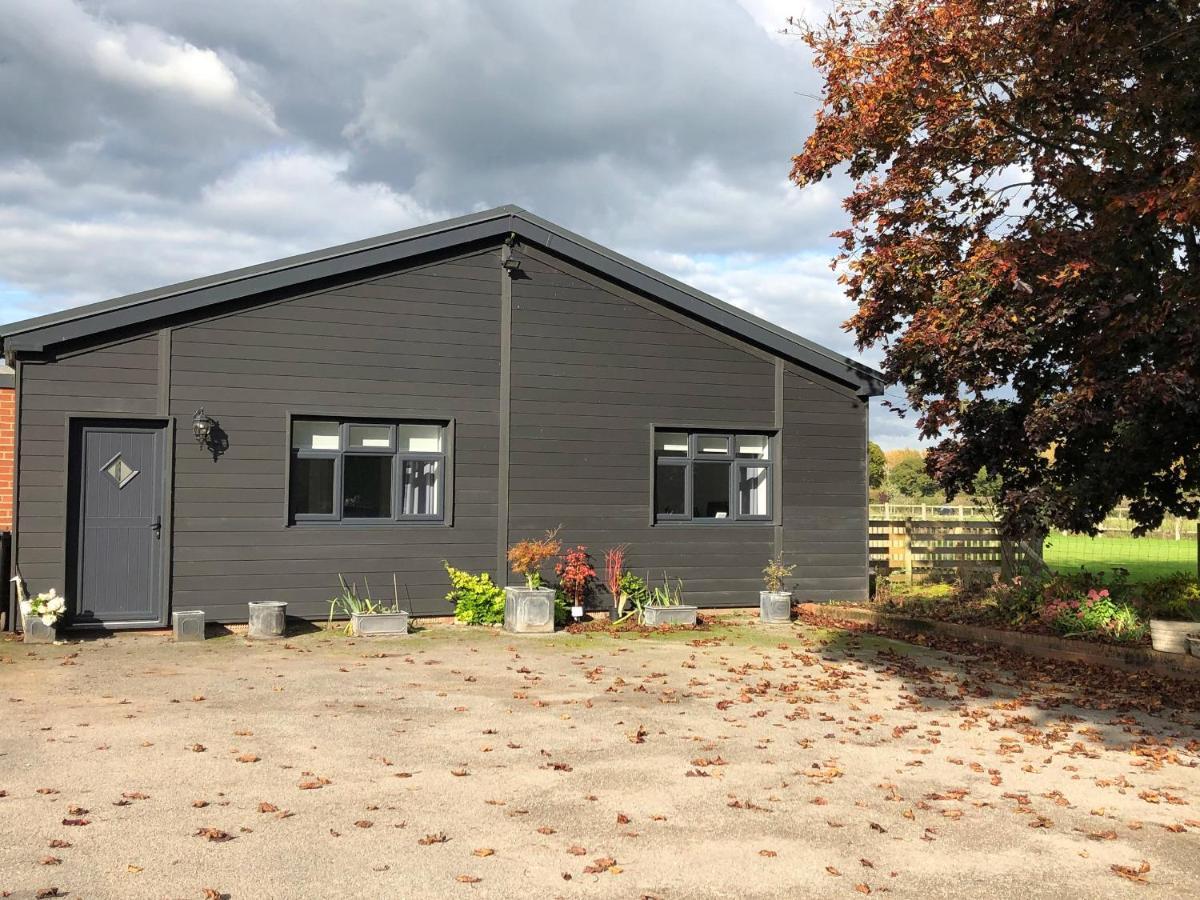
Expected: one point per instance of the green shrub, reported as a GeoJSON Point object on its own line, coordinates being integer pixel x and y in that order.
{"type": "Point", "coordinates": [1095, 614]}
{"type": "Point", "coordinates": [1174, 597]}
{"type": "Point", "coordinates": [477, 599]}
{"type": "Point", "coordinates": [632, 596]}
{"type": "Point", "coordinates": [562, 608]}
{"type": "Point", "coordinates": [920, 590]}
{"type": "Point", "coordinates": [1019, 601]}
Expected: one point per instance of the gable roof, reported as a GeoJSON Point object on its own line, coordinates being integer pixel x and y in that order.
{"type": "Point", "coordinates": [41, 333]}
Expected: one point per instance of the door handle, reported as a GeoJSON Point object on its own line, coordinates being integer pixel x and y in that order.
{"type": "Point", "coordinates": [156, 526]}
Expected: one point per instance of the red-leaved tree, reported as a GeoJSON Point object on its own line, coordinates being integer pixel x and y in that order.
{"type": "Point", "coordinates": [1024, 238]}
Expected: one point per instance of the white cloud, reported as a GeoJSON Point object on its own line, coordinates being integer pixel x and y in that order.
{"type": "Point", "coordinates": [270, 206]}
{"type": "Point", "coordinates": [143, 143]}
{"type": "Point", "coordinates": [145, 59]}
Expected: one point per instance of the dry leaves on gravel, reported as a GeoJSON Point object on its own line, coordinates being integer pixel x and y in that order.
{"type": "Point", "coordinates": [215, 835]}
{"type": "Point", "coordinates": [1137, 875]}
{"type": "Point", "coordinates": [602, 864]}
{"type": "Point", "coordinates": [438, 837]}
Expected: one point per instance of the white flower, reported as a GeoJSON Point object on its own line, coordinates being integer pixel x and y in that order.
{"type": "Point", "coordinates": [49, 618]}
{"type": "Point", "coordinates": [26, 607]}
{"type": "Point", "coordinates": [56, 604]}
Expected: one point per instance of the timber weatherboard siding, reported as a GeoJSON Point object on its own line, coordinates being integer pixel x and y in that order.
{"type": "Point", "coordinates": [111, 381]}
{"type": "Point", "coordinates": [573, 389]}
{"type": "Point", "coordinates": [232, 544]}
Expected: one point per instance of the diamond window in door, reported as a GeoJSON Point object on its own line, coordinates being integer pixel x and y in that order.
{"type": "Point", "coordinates": [119, 471]}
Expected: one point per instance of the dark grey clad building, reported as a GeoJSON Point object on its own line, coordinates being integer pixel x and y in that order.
{"type": "Point", "coordinates": [429, 395]}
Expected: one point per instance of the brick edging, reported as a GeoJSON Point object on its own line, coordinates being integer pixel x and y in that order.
{"type": "Point", "coordinates": [1131, 659]}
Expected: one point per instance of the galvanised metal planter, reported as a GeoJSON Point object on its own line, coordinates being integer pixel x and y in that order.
{"type": "Point", "coordinates": [669, 615]}
{"type": "Point", "coordinates": [1170, 637]}
{"type": "Point", "coordinates": [38, 632]}
{"type": "Point", "coordinates": [268, 619]}
{"type": "Point", "coordinates": [365, 625]}
{"type": "Point", "coordinates": [188, 625]}
{"type": "Point", "coordinates": [529, 610]}
{"type": "Point", "coordinates": [775, 607]}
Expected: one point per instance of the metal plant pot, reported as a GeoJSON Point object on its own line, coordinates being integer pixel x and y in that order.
{"type": "Point", "coordinates": [1193, 642]}
{"type": "Point", "coordinates": [529, 610]}
{"type": "Point", "coordinates": [268, 618]}
{"type": "Point", "coordinates": [775, 607]}
{"type": "Point", "coordinates": [38, 632]}
{"type": "Point", "coordinates": [188, 625]}
{"type": "Point", "coordinates": [669, 615]}
{"type": "Point", "coordinates": [393, 623]}
{"type": "Point", "coordinates": [1170, 637]}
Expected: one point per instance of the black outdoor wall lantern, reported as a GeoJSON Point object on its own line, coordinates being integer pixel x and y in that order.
{"type": "Point", "coordinates": [202, 427]}
{"type": "Point", "coordinates": [209, 434]}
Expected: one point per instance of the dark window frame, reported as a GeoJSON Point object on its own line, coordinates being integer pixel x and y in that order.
{"type": "Point", "coordinates": [398, 457]}
{"type": "Point", "coordinates": [736, 466]}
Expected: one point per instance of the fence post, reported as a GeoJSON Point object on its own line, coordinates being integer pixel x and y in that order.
{"type": "Point", "coordinates": [908, 559]}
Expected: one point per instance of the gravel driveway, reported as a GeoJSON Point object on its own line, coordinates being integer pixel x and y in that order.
{"type": "Point", "coordinates": [737, 761]}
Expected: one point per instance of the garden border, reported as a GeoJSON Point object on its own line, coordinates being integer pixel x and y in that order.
{"type": "Point", "coordinates": [1130, 659]}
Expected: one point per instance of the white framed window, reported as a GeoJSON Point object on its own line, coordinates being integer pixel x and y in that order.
{"type": "Point", "coordinates": [713, 477]}
{"type": "Point", "coordinates": [362, 472]}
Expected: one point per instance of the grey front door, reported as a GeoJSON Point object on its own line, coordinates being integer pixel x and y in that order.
{"type": "Point", "coordinates": [118, 535]}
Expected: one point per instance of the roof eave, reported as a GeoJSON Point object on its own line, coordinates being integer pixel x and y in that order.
{"type": "Point", "coordinates": [38, 334]}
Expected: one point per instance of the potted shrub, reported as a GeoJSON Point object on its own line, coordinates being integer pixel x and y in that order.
{"type": "Point", "coordinates": [614, 571]}
{"type": "Point", "coordinates": [366, 616]}
{"type": "Point", "coordinates": [1173, 606]}
{"type": "Point", "coordinates": [40, 615]}
{"type": "Point", "coordinates": [775, 604]}
{"type": "Point", "coordinates": [576, 576]}
{"type": "Point", "coordinates": [477, 599]}
{"type": "Point", "coordinates": [632, 595]}
{"type": "Point", "coordinates": [530, 609]}
{"type": "Point", "coordinates": [666, 606]}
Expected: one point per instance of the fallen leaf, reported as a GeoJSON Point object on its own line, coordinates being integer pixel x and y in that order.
{"type": "Point", "coordinates": [435, 838]}
{"type": "Point", "coordinates": [248, 758]}
{"type": "Point", "coordinates": [216, 835]}
{"type": "Point", "coordinates": [265, 807]}
{"type": "Point", "coordinates": [767, 853]}
{"type": "Point", "coordinates": [468, 879]}
{"type": "Point", "coordinates": [1132, 874]}
{"type": "Point", "coordinates": [363, 823]}
{"type": "Point", "coordinates": [484, 851]}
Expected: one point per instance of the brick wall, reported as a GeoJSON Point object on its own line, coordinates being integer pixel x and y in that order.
{"type": "Point", "coordinates": [7, 439]}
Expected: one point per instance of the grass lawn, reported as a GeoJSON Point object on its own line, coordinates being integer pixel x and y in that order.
{"type": "Point", "coordinates": [1145, 558]}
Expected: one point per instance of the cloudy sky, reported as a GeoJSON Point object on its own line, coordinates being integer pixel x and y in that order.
{"type": "Point", "coordinates": [144, 142]}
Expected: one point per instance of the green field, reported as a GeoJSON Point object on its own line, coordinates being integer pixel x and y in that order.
{"type": "Point", "coordinates": [1145, 558]}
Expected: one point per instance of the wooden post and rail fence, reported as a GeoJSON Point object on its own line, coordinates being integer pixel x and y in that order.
{"type": "Point", "coordinates": [969, 548]}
